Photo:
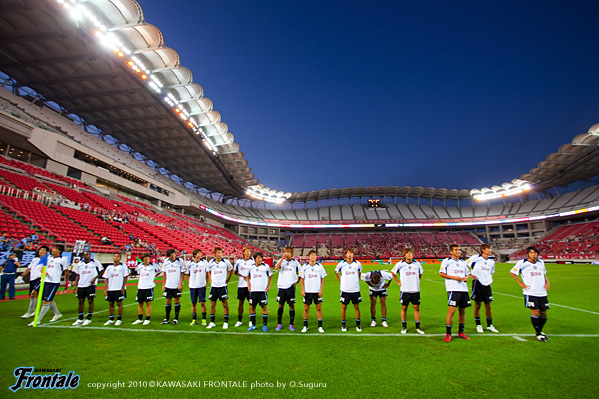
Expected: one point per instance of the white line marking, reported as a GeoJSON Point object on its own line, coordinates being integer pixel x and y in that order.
{"type": "Point", "coordinates": [520, 338]}
{"type": "Point", "coordinates": [519, 297]}
{"type": "Point", "coordinates": [313, 334]}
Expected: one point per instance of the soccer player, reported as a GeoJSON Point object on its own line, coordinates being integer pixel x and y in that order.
{"type": "Point", "coordinates": [56, 266]}
{"type": "Point", "coordinates": [481, 269]}
{"type": "Point", "coordinates": [286, 282]}
{"type": "Point", "coordinates": [312, 276]}
{"type": "Point", "coordinates": [174, 270]}
{"type": "Point", "coordinates": [115, 288]}
{"type": "Point", "coordinates": [35, 270]}
{"type": "Point", "coordinates": [348, 273]}
{"type": "Point", "coordinates": [197, 268]}
{"type": "Point", "coordinates": [258, 280]}
{"type": "Point", "coordinates": [410, 272]}
{"type": "Point", "coordinates": [456, 273]}
{"type": "Point", "coordinates": [87, 272]}
{"type": "Point", "coordinates": [219, 274]}
{"type": "Point", "coordinates": [147, 272]}
{"type": "Point", "coordinates": [378, 281]}
{"type": "Point", "coordinates": [534, 287]}
{"type": "Point", "coordinates": [242, 266]}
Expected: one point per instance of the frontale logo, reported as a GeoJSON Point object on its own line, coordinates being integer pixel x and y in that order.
{"type": "Point", "coordinates": [27, 380]}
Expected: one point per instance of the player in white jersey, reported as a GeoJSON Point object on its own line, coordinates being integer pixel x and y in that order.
{"type": "Point", "coordinates": [258, 279]}
{"type": "Point", "coordinates": [288, 269]}
{"type": "Point", "coordinates": [482, 268]}
{"type": "Point", "coordinates": [174, 270]}
{"type": "Point", "coordinates": [456, 273]}
{"type": "Point", "coordinates": [115, 288]}
{"type": "Point", "coordinates": [242, 266]}
{"type": "Point", "coordinates": [34, 269]}
{"type": "Point", "coordinates": [147, 272]}
{"type": "Point", "coordinates": [534, 287]}
{"type": "Point", "coordinates": [87, 272]}
{"type": "Point", "coordinates": [378, 281]}
{"type": "Point", "coordinates": [56, 266]}
{"type": "Point", "coordinates": [197, 268]}
{"type": "Point", "coordinates": [219, 274]}
{"type": "Point", "coordinates": [410, 272]}
{"type": "Point", "coordinates": [312, 276]}
{"type": "Point", "coordinates": [348, 273]}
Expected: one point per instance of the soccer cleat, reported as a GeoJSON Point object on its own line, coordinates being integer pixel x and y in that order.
{"type": "Point", "coordinates": [358, 329]}
{"type": "Point", "coordinates": [279, 326]}
{"type": "Point", "coordinates": [343, 329]}
{"type": "Point", "coordinates": [56, 317]}
{"type": "Point", "coordinates": [77, 322]}
{"type": "Point", "coordinates": [225, 325]}
{"type": "Point", "coordinates": [137, 321]}
{"type": "Point", "coordinates": [291, 328]}
{"type": "Point", "coordinates": [492, 329]}
{"type": "Point", "coordinates": [544, 335]}
{"type": "Point", "coordinates": [31, 324]}
{"type": "Point", "coordinates": [384, 323]}
{"type": "Point", "coordinates": [27, 315]}
{"type": "Point", "coordinates": [87, 322]}
{"type": "Point", "coordinates": [109, 322]}
{"type": "Point", "coordinates": [404, 330]}
{"type": "Point", "coordinates": [239, 324]}
{"type": "Point", "coordinates": [264, 329]}
{"type": "Point", "coordinates": [447, 337]}
{"type": "Point", "coordinates": [541, 338]}
{"type": "Point", "coordinates": [146, 322]}
{"type": "Point", "coordinates": [175, 322]}
{"type": "Point", "coordinates": [193, 323]}
{"type": "Point", "coordinates": [320, 329]}
{"type": "Point", "coordinates": [463, 336]}
{"type": "Point", "coordinates": [203, 322]}
{"type": "Point", "coordinates": [479, 329]}
{"type": "Point", "coordinates": [211, 325]}
{"type": "Point", "coordinates": [373, 324]}
{"type": "Point", "coordinates": [165, 321]}
{"type": "Point", "coordinates": [419, 331]}
{"type": "Point", "coordinates": [252, 327]}
{"type": "Point", "coordinates": [305, 329]}
{"type": "Point", "coordinates": [118, 323]}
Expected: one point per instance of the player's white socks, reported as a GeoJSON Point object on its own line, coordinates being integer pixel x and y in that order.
{"type": "Point", "coordinates": [44, 310]}
{"type": "Point", "coordinates": [54, 309]}
{"type": "Point", "coordinates": [32, 303]}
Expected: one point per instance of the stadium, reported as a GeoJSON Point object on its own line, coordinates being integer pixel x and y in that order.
{"type": "Point", "coordinates": [90, 92]}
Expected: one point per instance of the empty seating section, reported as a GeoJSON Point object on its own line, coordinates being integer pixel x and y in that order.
{"type": "Point", "coordinates": [21, 181]}
{"type": "Point", "coordinates": [577, 241]}
{"type": "Point", "coordinates": [15, 228]}
{"type": "Point", "coordinates": [73, 195]}
{"type": "Point", "coordinates": [383, 245]}
{"type": "Point", "coordinates": [97, 225]}
{"type": "Point", "coordinates": [51, 221]}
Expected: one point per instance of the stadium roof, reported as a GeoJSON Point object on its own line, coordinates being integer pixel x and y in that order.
{"type": "Point", "coordinates": [576, 161]}
{"type": "Point", "coordinates": [42, 47]}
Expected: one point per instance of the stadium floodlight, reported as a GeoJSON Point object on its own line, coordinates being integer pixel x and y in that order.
{"type": "Point", "coordinates": [515, 187]}
{"type": "Point", "coordinates": [262, 193]}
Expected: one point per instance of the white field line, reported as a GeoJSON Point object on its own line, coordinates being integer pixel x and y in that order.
{"type": "Point", "coordinates": [521, 297]}
{"type": "Point", "coordinates": [519, 338]}
{"type": "Point", "coordinates": [313, 334]}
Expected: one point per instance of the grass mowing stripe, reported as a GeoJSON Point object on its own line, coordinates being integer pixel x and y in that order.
{"type": "Point", "coordinates": [257, 334]}
{"type": "Point", "coordinates": [519, 297]}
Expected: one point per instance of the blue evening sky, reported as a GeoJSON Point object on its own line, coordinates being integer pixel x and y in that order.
{"type": "Point", "coordinates": [323, 94]}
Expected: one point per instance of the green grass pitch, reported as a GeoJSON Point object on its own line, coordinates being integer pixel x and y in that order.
{"type": "Point", "coordinates": [379, 361]}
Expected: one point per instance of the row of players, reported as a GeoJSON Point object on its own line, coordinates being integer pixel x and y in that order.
{"type": "Point", "coordinates": [255, 279]}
